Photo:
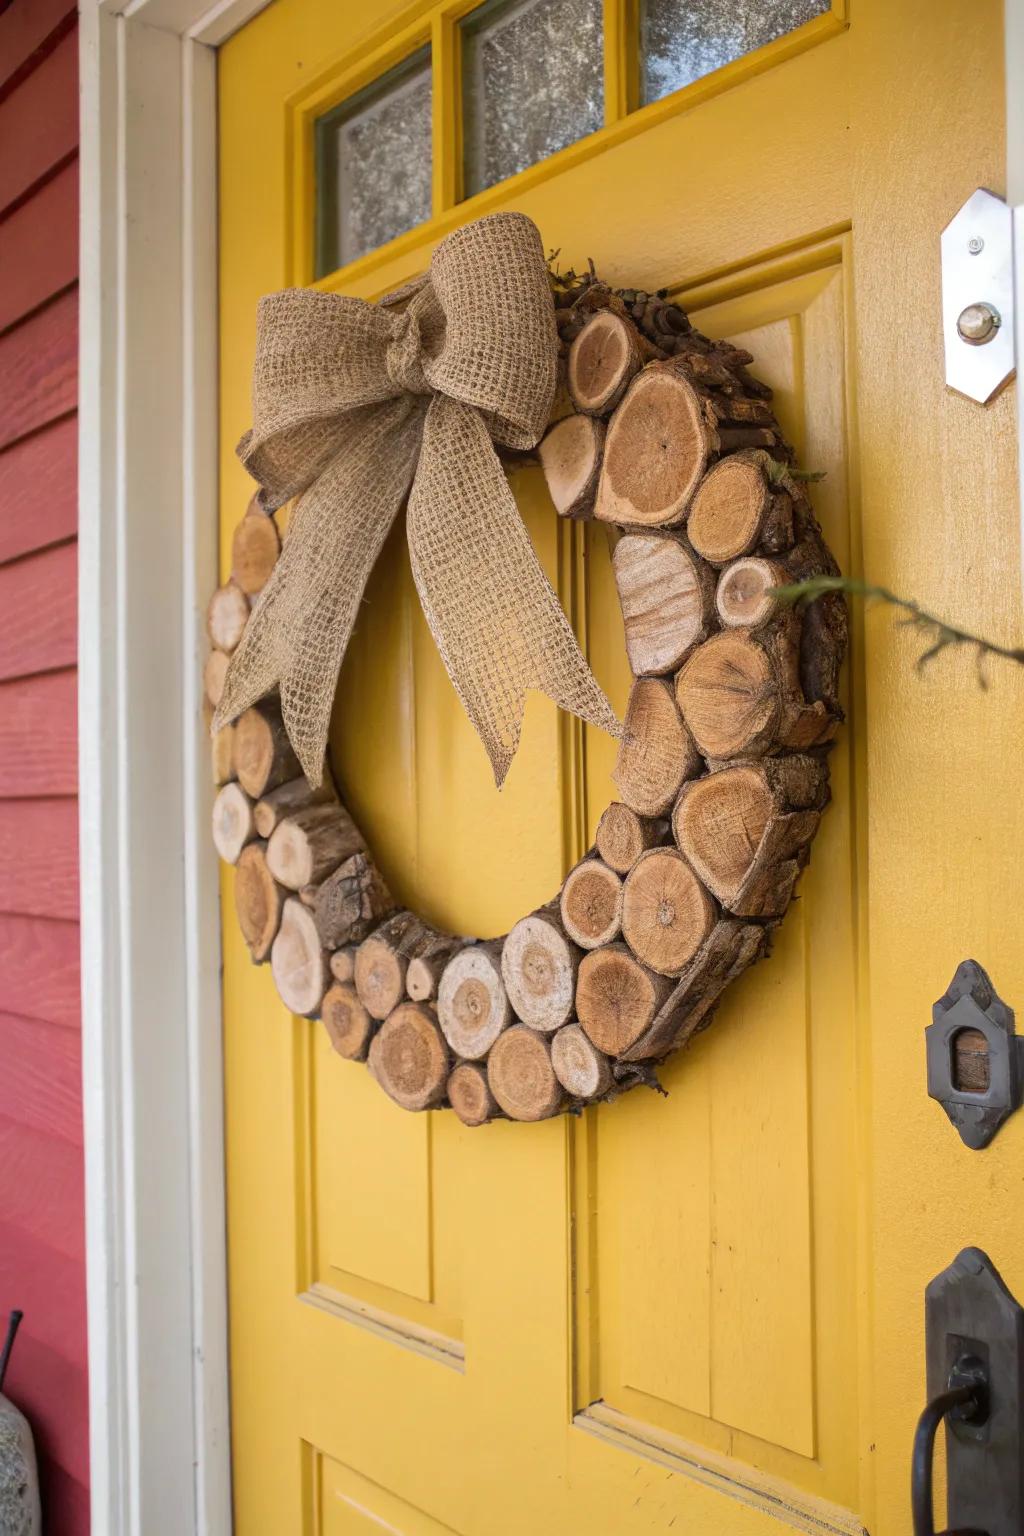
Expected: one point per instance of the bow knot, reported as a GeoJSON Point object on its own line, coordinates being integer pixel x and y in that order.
{"type": "Point", "coordinates": [342, 420]}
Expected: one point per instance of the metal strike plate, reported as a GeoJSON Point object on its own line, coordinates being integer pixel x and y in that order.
{"type": "Point", "coordinates": [977, 297]}
{"type": "Point", "coordinates": [970, 1316]}
{"type": "Point", "coordinates": [975, 1060]}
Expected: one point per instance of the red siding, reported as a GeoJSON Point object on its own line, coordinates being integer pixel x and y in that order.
{"type": "Point", "coordinates": [42, 1244]}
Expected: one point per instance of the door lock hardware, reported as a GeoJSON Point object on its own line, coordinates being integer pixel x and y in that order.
{"type": "Point", "coordinates": [974, 1342]}
{"type": "Point", "coordinates": [977, 297]}
{"type": "Point", "coordinates": [975, 1060]}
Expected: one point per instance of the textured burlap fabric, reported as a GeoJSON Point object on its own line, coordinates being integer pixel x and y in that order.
{"type": "Point", "coordinates": [359, 407]}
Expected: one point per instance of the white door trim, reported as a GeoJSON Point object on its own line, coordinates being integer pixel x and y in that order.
{"type": "Point", "coordinates": [151, 1006]}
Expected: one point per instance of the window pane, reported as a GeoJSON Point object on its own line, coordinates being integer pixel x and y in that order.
{"type": "Point", "coordinates": [533, 82]}
{"type": "Point", "coordinates": [681, 40]}
{"type": "Point", "coordinates": [373, 165]}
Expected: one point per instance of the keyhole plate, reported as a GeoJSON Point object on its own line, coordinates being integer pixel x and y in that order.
{"type": "Point", "coordinates": [975, 1061]}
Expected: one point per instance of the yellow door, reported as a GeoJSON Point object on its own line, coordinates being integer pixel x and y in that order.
{"type": "Point", "coordinates": [701, 1313]}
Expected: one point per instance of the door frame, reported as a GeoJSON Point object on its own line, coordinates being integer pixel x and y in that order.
{"type": "Point", "coordinates": [151, 1001]}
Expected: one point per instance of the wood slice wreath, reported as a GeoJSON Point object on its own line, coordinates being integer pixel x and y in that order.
{"type": "Point", "coordinates": [722, 770]}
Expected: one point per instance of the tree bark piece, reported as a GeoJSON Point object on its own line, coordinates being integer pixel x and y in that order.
{"type": "Point", "coordinates": [617, 998]}
{"type": "Point", "coordinates": [263, 754]}
{"type": "Point", "coordinates": [254, 549]}
{"type": "Point", "coordinates": [736, 508]}
{"type": "Point", "coordinates": [221, 755]}
{"type": "Point", "coordinates": [521, 1077]}
{"type": "Point", "coordinates": [294, 795]}
{"type": "Point", "coordinates": [469, 1094]}
{"type": "Point", "coordinates": [343, 963]}
{"type": "Point", "coordinates": [570, 456]}
{"type": "Point", "coordinates": [745, 830]}
{"type": "Point", "coordinates": [622, 836]}
{"type": "Point", "coordinates": [423, 977]}
{"type": "Point", "coordinates": [472, 1004]}
{"type": "Point", "coordinates": [226, 616]}
{"type": "Point", "coordinates": [233, 824]}
{"type": "Point", "coordinates": [538, 965]}
{"type": "Point", "coordinates": [744, 597]}
{"type": "Point", "coordinates": [382, 961]}
{"type": "Point", "coordinates": [730, 948]}
{"type": "Point", "coordinates": [214, 673]}
{"type": "Point", "coordinates": [657, 752]}
{"type": "Point", "coordinates": [306, 847]}
{"type": "Point", "coordinates": [351, 902]}
{"type": "Point", "coordinates": [667, 597]}
{"type": "Point", "coordinates": [666, 912]}
{"type": "Point", "coordinates": [602, 361]}
{"type": "Point", "coordinates": [298, 962]}
{"type": "Point", "coordinates": [583, 1071]}
{"type": "Point", "coordinates": [347, 1022]}
{"type": "Point", "coordinates": [409, 1058]}
{"type": "Point", "coordinates": [259, 901]}
{"type": "Point", "coordinates": [591, 904]}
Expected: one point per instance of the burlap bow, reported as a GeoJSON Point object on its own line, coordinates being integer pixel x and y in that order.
{"type": "Point", "coordinates": [357, 406]}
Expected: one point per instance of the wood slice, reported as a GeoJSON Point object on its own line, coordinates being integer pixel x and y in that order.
{"type": "Point", "coordinates": [221, 759]}
{"type": "Point", "coordinates": [570, 456]}
{"type": "Point", "coordinates": [657, 752]}
{"type": "Point", "coordinates": [254, 549]}
{"type": "Point", "coordinates": [423, 977]}
{"type": "Point", "coordinates": [294, 795]}
{"type": "Point", "coordinates": [297, 961]}
{"type": "Point", "coordinates": [409, 1058]}
{"type": "Point", "coordinates": [383, 958]}
{"type": "Point", "coordinates": [583, 1071]}
{"type": "Point", "coordinates": [469, 1094]}
{"type": "Point", "coordinates": [591, 904]}
{"type": "Point", "coordinates": [729, 949]}
{"type": "Point", "coordinates": [306, 847]}
{"type": "Point", "coordinates": [347, 1022]}
{"type": "Point", "coordinates": [226, 616]}
{"type": "Point", "coordinates": [263, 754]}
{"type": "Point", "coordinates": [214, 674]}
{"type": "Point", "coordinates": [472, 1004]}
{"type": "Point", "coordinates": [259, 901]}
{"type": "Point", "coordinates": [730, 696]}
{"type": "Point", "coordinates": [343, 963]}
{"type": "Point", "coordinates": [617, 998]}
{"type": "Point", "coordinates": [658, 446]}
{"type": "Point", "coordinates": [521, 1077]}
{"type": "Point", "coordinates": [233, 824]}
{"type": "Point", "coordinates": [622, 836]}
{"type": "Point", "coordinates": [666, 912]}
{"type": "Point", "coordinates": [351, 902]}
{"type": "Point", "coordinates": [733, 508]}
{"type": "Point", "coordinates": [667, 597]}
{"type": "Point", "coordinates": [744, 597]}
{"type": "Point", "coordinates": [538, 965]}
{"type": "Point", "coordinates": [602, 360]}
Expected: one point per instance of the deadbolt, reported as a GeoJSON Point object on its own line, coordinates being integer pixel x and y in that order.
{"type": "Point", "coordinates": [978, 323]}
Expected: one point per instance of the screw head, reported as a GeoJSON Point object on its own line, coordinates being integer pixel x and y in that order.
{"type": "Point", "coordinates": [978, 323]}
{"type": "Point", "coordinates": [975, 245]}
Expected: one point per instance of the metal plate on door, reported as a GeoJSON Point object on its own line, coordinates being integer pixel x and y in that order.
{"type": "Point", "coordinates": [977, 297]}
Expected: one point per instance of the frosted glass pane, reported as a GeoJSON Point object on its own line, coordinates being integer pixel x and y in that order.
{"type": "Point", "coordinates": [533, 82]}
{"type": "Point", "coordinates": [373, 165]}
{"type": "Point", "coordinates": [681, 40]}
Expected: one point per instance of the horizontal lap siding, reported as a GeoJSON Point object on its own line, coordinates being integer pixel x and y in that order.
{"type": "Point", "coordinates": [42, 1244]}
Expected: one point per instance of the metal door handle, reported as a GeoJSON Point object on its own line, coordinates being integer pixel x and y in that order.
{"type": "Point", "coordinates": [968, 1399]}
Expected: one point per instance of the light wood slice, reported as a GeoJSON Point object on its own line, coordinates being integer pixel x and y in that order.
{"type": "Point", "coordinates": [657, 752]}
{"type": "Point", "coordinates": [233, 824]}
{"type": "Point", "coordinates": [730, 697]}
{"type": "Point", "coordinates": [617, 998]}
{"type": "Point", "coordinates": [262, 752]}
{"type": "Point", "coordinates": [472, 1004]}
{"type": "Point", "coordinates": [666, 912]}
{"type": "Point", "coordinates": [351, 902]}
{"type": "Point", "coordinates": [259, 901]}
{"type": "Point", "coordinates": [729, 949]}
{"type": "Point", "coordinates": [423, 978]}
{"type": "Point", "coordinates": [469, 1094]}
{"type": "Point", "coordinates": [221, 759]}
{"type": "Point", "coordinates": [667, 597]}
{"type": "Point", "coordinates": [744, 597]}
{"type": "Point", "coordinates": [254, 549]}
{"type": "Point", "coordinates": [521, 1077]}
{"type": "Point", "coordinates": [309, 845]}
{"type": "Point", "coordinates": [343, 963]}
{"type": "Point", "coordinates": [602, 361]}
{"type": "Point", "coordinates": [570, 456]}
{"type": "Point", "coordinates": [298, 962]}
{"type": "Point", "coordinates": [622, 836]}
{"type": "Point", "coordinates": [294, 795]}
{"type": "Point", "coordinates": [736, 509]}
{"type": "Point", "coordinates": [347, 1022]}
{"type": "Point", "coordinates": [382, 961]}
{"type": "Point", "coordinates": [583, 1071]}
{"type": "Point", "coordinates": [409, 1058]}
{"type": "Point", "coordinates": [658, 446]}
{"type": "Point", "coordinates": [214, 674]}
{"type": "Point", "coordinates": [538, 965]}
{"type": "Point", "coordinates": [591, 904]}
{"type": "Point", "coordinates": [226, 616]}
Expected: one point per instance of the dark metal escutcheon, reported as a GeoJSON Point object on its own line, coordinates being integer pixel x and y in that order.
{"type": "Point", "coordinates": [972, 1003]}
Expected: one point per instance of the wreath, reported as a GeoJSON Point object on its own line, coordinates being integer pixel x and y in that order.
{"type": "Point", "coordinates": [643, 424]}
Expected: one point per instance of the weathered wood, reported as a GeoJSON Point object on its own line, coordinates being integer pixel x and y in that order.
{"type": "Point", "coordinates": [423, 976]}
{"type": "Point", "coordinates": [214, 673]}
{"type": "Point", "coordinates": [657, 752]}
{"type": "Point", "coordinates": [351, 902]}
{"type": "Point", "coordinates": [744, 598]}
{"type": "Point", "coordinates": [409, 1058]}
{"type": "Point", "coordinates": [382, 961]}
{"type": "Point", "coordinates": [263, 754]}
{"type": "Point", "coordinates": [309, 845]}
{"type": "Point", "coordinates": [666, 912]}
{"type": "Point", "coordinates": [472, 1004]}
{"type": "Point", "coordinates": [469, 1094]}
{"type": "Point", "coordinates": [617, 998]}
{"type": "Point", "coordinates": [538, 965]}
{"type": "Point", "coordinates": [347, 1022]}
{"type": "Point", "coordinates": [570, 456]}
{"type": "Point", "coordinates": [254, 549]}
{"type": "Point", "coordinates": [521, 1077]}
{"type": "Point", "coordinates": [602, 360]}
{"type": "Point", "coordinates": [737, 508]}
{"type": "Point", "coordinates": [729, 949]}
{"type": "Point", "coordinates": [668, 600]}
{"type": "Point", "coordinates": [233, 824]}
{"type": "Point", "coordinates": [591, 904]}
{"type": "Point", "coordinates": [259, 901]}
{"type": "Point", "coordinates": [293, 795]}
{"type": "Point", "coordinates": [226, 616]}
{"type": "Point", "coordinates": [298, 962]}
{"type": "Point", "coordinates": [622, 836]}
{"type": "Point", "coordinates": [343, 963]}
{"type": "Point", "coordinates": [221, 756]}
{"type": "Point", "coordinates": [583, 1071]}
